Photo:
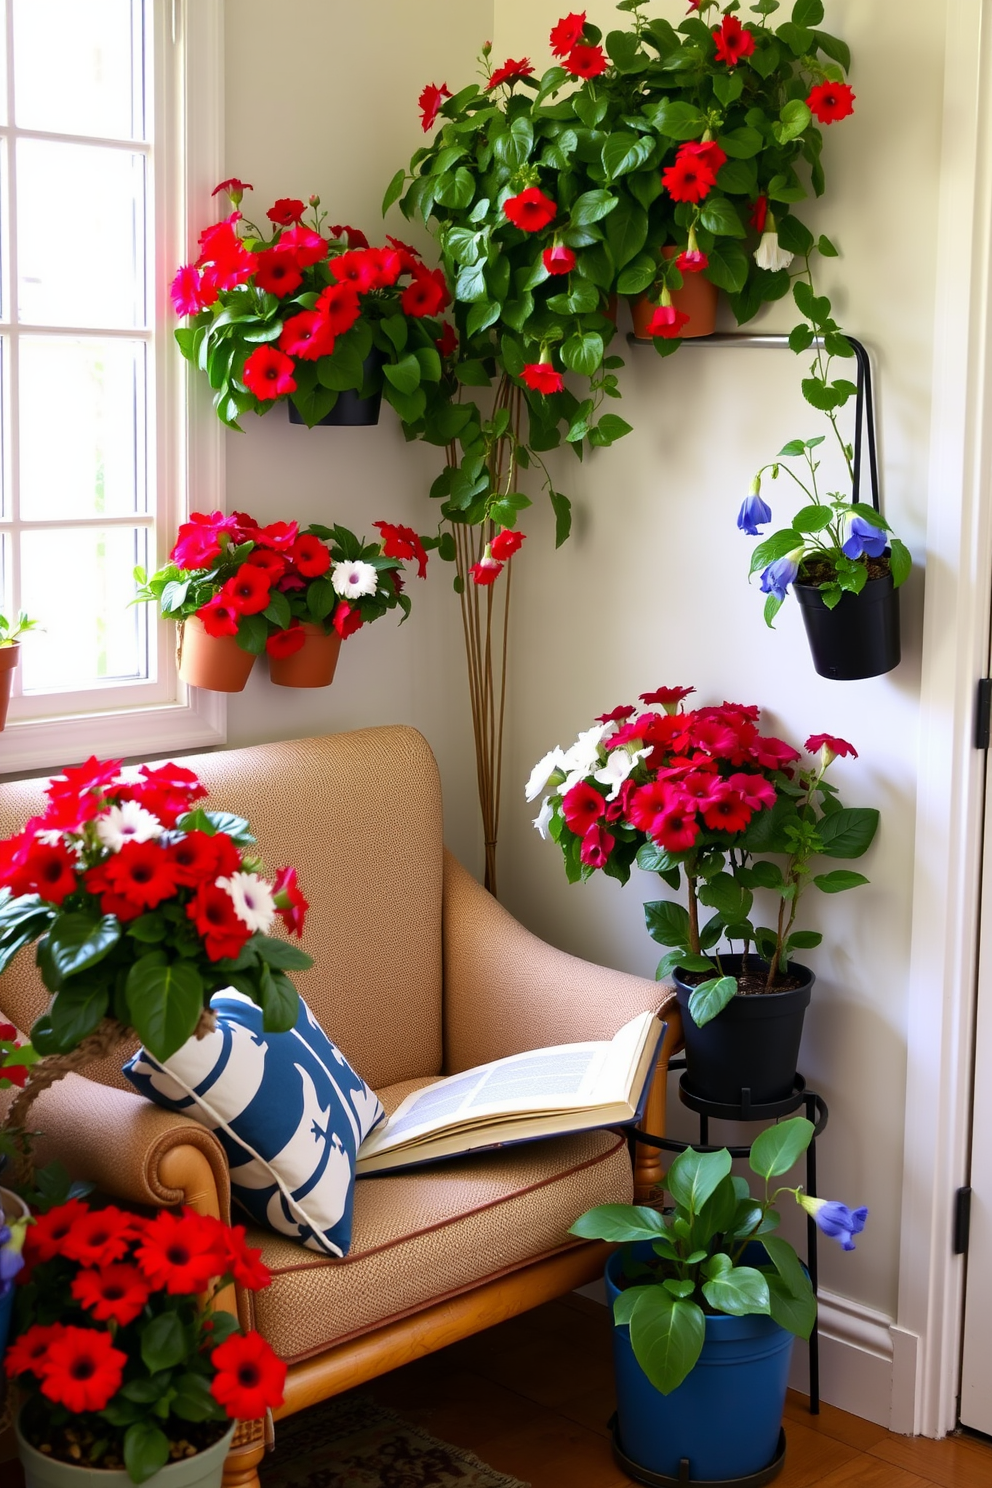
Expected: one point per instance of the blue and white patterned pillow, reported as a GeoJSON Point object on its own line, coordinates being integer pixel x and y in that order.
{"type": "Point", "coordinates": [289, 1111]}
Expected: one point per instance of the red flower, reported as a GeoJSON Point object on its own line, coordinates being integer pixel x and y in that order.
{"type": "Point", "coordinates": [234, 188]}
{"type": "Point", "coordinates": [759, 213]}
{"type": "Point", "coordinates": [180, 1253]}
{"type": "Point", "coordinates": [755, 790]}
{"type": "Point", "coordinates": [531, 210]}
{"type": "Point", "coordinates": [82, 1370]}
{"type": "Point", "coordinates": [430, 102]}
{"type": "Point", "coordinates": [308, 246]}
{"type": "Point", "coordinates": [339, 305]}
{"type": "Point", "coordinates": [248, 591]}
{"type": "Point", "coordinates": [706, 151]}
{"type": "Point", "coordinates": [667, 322]}
{"type": "Point", "coordinates": [286, 642]}
{"type": "Point", "coordinates": [581, 806]}
{"type": "Point", "coordinates": [224, 261]}
{"type": "Point", "coordinates": [218, 617]}
{"type": "Point", "coordinates": [510, 72]}
{"type": "Point", "coordinates": [189, 295]}
{"type": "Point", "coordinates": [541, 377]}
{"type": "Point", "coordinates": [831, 745]}
{"type": "Point", "coordinates": [198, 856]}
{"type": "Point", "coordinates": [198, 542]}
{"type": "Point", "coordinates": [558, 259]}
{"type": "Point", "coordinates": [286, 211]}
{"type": "Point", "coordinates": [271, 563]}
{"type": "Point", "coordinates": [27, 1354]}
{"type": "Point", "coordinates": [100, 1236]}
{"type": "Point", "coordinates": [689, 179]}
{"type": "Point", "coordinates": [675, 829]}
{"type": "Point", "coordinates": [366, 268]}
{"type": "Point", "coordinates": [307, 336]}
{"type": "Point", "coordinates": [726, 811]}
{"type": "Point", "coordinates": [447, 342]}
{"type": "Point", "coordinates": [506, 543]}
{"type": "Point", "coordinates": [402, 542]}
{"type": "Point", "coordinates": [115, 1294]}
{"type": "Point", "coordinates": [666, 696]}
{"type": "Point", "coordinates": [277, 271]}
{"type": "Point", "coordinates": [142, 873]}
{"type": "Point", "coordinates": [831, 101]}
{"type": "Point", "coordinates": [44, 1237]}
{"type": "Point", "coordinates": [567, 34]}
{"type": "Point", "coordinates": [311, 556]}
{"type": "Point", "coordinates": [426, 294]}
{"type": "Point", "coordinates": [269, 373]}
{"type": "Point", "coordinates": [732, 41]}
{"type": "Point", "coordinates": [49, 871]}
{"type": "Point", "coordinates": [249, 1379]}
{"type": "Point", "coordinates": [692, 263]}
{"type": "Point", "coordinates": [597, 844]}
{"type": "Point", "coordinates": [171, 787]}
{"type": "Point", "coordinates": [773, 754]}
{"type": "Point", "coordinates": [278, 535]}
{"type": "Point", "coordinates": [586, 61]}
{"type": "Point", "coordinates": [290, 903]}
{"type": "Point", "coordinates": [619, 715]}
{"type": "Point", "coordinates": [212, 911]}
{"type": "Point", "coordinates": [353, 236]}
{"type": "Point", "coordinates": [486, 571]}
{"type": "Point", "coordinates": [347, 620]}
{"type": "Point", "coordinates": [244, 1262]}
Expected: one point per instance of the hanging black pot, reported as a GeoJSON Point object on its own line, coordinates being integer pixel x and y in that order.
{"type": "Point", "coordinates": [351, 410]}
{"type": "Point", "coordinates": [752, 1045]}
{"type": "Point", "coordinates": [859, 637]}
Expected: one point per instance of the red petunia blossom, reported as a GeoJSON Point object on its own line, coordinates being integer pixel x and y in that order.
{"type": "Point", "coordinates": [541, 377]}
{"type": "Point", "coordinates": [402, 542]}
{"type": "Point", "coordinates": [198, 541]}
{"type": "Point", "coordinates": [347, 619]}
{"type": "Point", "coordinates": [49, 871]}
{"type": "Point", "coordinates": [188, 292]}
{"type": "Point", "coordinates": [17, 1074]}
{"type": "Point", "coordinates": [308, 246]}
{"type": "Point", "coordinates": [707, 151]}
{"type": "Point", "coordinates": [648, 801]}
{"type": "Point", "coordinates": [224, 261]}
{"type": "Point", "coordinates": [311, 556]}
{"type": "Point", "coordinates": [692, 263]}
{"type": "Point", "coordinates": [674, 829]}
{"type": "Point", "coordinates": [586, 61]}
{"type": "Point", "coordinates": [619, 715]}
{"type": "Point", "coordinates": [248, 591]}
{"type": "Point", "coordinates": [666, 696]}
{"type": "Point", "coordinates": [829, 102]}
{"type": "Point", "coordinates": [755, 790]}
{"type": "Point", "coordinates": [361, 268]}
{"type": "Point", "coordinates": [197, 856]}
{"type": "Point", "coordinates": [27, 1354]}
{"type": "Point", "coordinates": [558, 259]}
{"type": "Point", "coordinates": [689, 179]}
{"type": "Point", "coordinates": [531, 210]}
{"type": "Point", "coordinates": [486, 571]}
{"type": "Point", "coordinates": [506, 543]}
{"type": "Point", "coordinates": [286, 642]}
{"type": "Point", "coordinates": [114, 1294]}
{"type": "Point", "coordinates": [269, 373]}
{"type": "Point", "coordinates": [732, 41]}
{"type": "Point", "coordinates": [142, 872]}
{"type": "Point", "coordinates": [212, 911]}
{"type": "Point", "coordinates": [340, 307]}
{"type": "Point", "coordinates": [44, 1237]}
{"type": "Point", "coordinates": [234, 188]}
{"type": "Point", "coordinates": [773, 754]}
{"type": "Point", "coordinates": [727, 811]}
{"type": "Point", "coordinates": [219, 617]}
{"type": "Point", "coordinates": [278, 535]}
{"type": "Point", "coordinates": [353, 236]}
{"type": "Point", "coordinates": [581, 806]}
{"type": "Point", "coordinates": [759, 214]}
{"type": "Point", "coordinates": [567, 34]}
{"type": "Point", "coordinates": [430, 102]}
{"type": "Point", "coordinates": [180, 1253]}
{"type": "Point", "coordinates": [426, 294]}
{"type": "Point", "coordinates": [597, 844]}
{"type": "Point", "coordinates": [100, 1236]}
{"type": "Point", "coordinates": [447, 342]}
{"type": "Point", "coordinates": [667, 322]}
{"type": "Point", "coordinates": [409, 255]}
{"type": "Point", "coordinates": [82, 1370]}
{"type": "Point", "coordinates": [244, 1261]}
{"type": "Point", "coordinates": [278, 271]}
{"type": "Point", "coordinates": [289, 901]}
{"type": "Point", "coordinates": [389, 265]}
{"type": "Point", "coordinates": [307, 336]}
{"type": "Point", "coordinates": [817, 743]}
{"type": "Point", "coordinates": [274, 564]}
{"type": "Point", "coordinates": [249, 1379]}
{"type": "Point", "coordinates": [286, 211]}
{"type": "Point", "coordinates": [510, 72]}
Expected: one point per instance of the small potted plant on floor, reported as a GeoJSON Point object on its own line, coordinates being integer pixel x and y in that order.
{"type": "Point", "coordinates": [706, 1300]}
{"type": "Point", "coordinates": [10, 655]}
{"type": "Point", "coordinates": [704, 796]}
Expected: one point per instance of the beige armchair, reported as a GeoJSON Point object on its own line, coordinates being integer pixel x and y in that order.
{"type": "Point", "coordinates": [418, 972]}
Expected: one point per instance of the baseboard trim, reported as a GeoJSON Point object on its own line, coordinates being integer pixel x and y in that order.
{"type": "Point", "coordinates": [856, 1359]}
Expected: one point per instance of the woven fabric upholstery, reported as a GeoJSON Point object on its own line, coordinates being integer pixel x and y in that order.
{"type": "Point", "coordinates": [424, 1235]}
{"type": "Point", "coordinates": [359, 815]}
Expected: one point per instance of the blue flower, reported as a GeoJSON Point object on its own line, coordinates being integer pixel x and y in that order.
{"type": "Point", "coordinates": [779, 575]}
{"type": "Point", "coordinates": [753, 511]}
{"type": "Point", "coordinates": [835, 1219]}
{"type": "Point", "coordinates": [862, 537]}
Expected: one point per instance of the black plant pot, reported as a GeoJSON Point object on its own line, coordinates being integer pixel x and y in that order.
{"type": "Point", "coordinates": [860, 637]}
{"type": "Point", "coordinates": [351, 411]}
{"type": "Point", "coordinates": [752, 1045]}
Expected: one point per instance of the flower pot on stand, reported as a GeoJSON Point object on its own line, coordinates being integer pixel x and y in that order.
{"type": "Point", "coordinates": [313, 665]}
{"type": "Point", "coordinates": [351, 410]}
{"type": "Point", "coordinates": [216, 663]}
{"type": "Point", "coordinates": [9, 657]}
{"type": "Point", "coordinates": [204, 1470]}
{"type": "Point", "coordinates": [752, 1045]}
{"type": "Point", "coordinates": [725, 1418]}
{"type": "Point", "coordinates": [859, 637]}
{"type": "Point", "coordinates": [697, 298]}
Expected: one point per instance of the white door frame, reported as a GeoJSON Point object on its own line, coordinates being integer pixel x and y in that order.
{"type": "Point", "coordinates": [940, 1020]}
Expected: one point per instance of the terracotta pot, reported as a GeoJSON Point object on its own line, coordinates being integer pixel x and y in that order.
{"type": "Point", "coordinates": [697, 298]}
{"type": "Point", "coordinates": [9, 657]}
{"type": "Point", "coordinates": [216, 663]}
{"type": "Point", "coordinates": [313, 665]}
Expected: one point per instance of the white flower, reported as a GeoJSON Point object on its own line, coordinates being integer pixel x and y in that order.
{"type": "Point", "coordinates": [352, 580]}
{"type": "Point", "coordinates": [252, 899]}
{"type": "Point", "coordinates": [584, 753]}
{"type": "Point", "coordinates": [618, 766]}
{"type": "Point", "coordinates": [544, 816]}
{"type": "Point", "coordinates": [128, 822]}
{"type": "Point", "coordinates": [542, 772]}
{"type": "Point", "coordinates": [768, 255]}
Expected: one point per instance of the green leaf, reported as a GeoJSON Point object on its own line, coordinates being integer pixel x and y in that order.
{"type": "Point", "coordinates": [280, 953]}
{"type": "Point", "coordinates": [723, 893]}
{"type": "Point", "coordinates": [775, 546]}
{"type": "Point", "coordinates": [803, 940]}
{"type": "Point", "coordinates": [778, 1148]}
{"type": "Point", "coordinates": [470, 285]}
{"type": "Point", "coordinates": [146, 1450]}
{"type": "Point", "coordinates": [404, 375]}
{"type": "Point", "coordinates": [592, 206]}
{"type": "Point", "coordinates": [900, 562]}
{"type": "Point", "coordinates": [165, 1002]}
{"type": "Point", "coordinates": [624, 50]}
{"type": "Point", "coordinates": [710, 998]}
{"type": "Point", "coordinates": [740, 1292]}
{"type": "Point", "coordinates": [394, 191]}
{"type": "Point", "coordinates": [849, 832]}
{"type": "Point", "coordinates": [728, 266]}
{"type": "Point", "coordinates": [456, 189]}
{"type": "Point", "coordinates": [840, 879]}
{"type": "Point", "coordinates": [77, 940]}
{"type": "Point", "coordinates": [807, 12]}
{"type": "Point", "coordinates": [583, 352]}
{"type": "Point", "coordinates": [626, 231]}
{"type": "Point", "coordinates": [719, 216]}
{"type": "Point", "coordinates": [795, 119]}
{"type": "Point", "coordinates": [740, 144]}
{"type": "Point", "coordinates": [812, 518]}
{"type": "Point", "coordinates": [624, 152]}
{"type": "Point", "coordinates": [192, 1400]}
{"type": "Point", "coordinates": [279, 1001]}
{"type": "Point", "coordinates": [610, 428]}
{"type": "Point", "coordinates": [625, 1302]}
{"type": "Point", "coordinates": [667, 1336]}
{"type": "Point", "coordinates": [834, 47]}
{"type": "Point", "coordinates": [667, 923]}
{"type": "Point", "coordinates": [619, 1223]}
{"type": "Point", "coordinates": [796, 1314]}
{"type": "Point", "coordinates": [794, 236]}
{"type": "Point", "coordinates": [693, 1177]}
{"type": "Point", "coordinates": [75, 1013]}
{"type": "Point", "coordinates": [678, 121]}
{"type": "Point", "coordinates": [562, 508]}
{"type": "Point", "coordinates": [163, 1342]}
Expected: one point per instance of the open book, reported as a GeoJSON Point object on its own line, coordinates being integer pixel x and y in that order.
{"type": "Point", "coordinates": [542, 1093]}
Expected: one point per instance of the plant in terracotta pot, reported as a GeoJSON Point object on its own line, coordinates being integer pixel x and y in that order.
{"type": "Point", "coordinates": [122, 1358]}
{"type": "Point", "coordinates": [10, 655]}
{"type": "Point", "coordinates": [703, 796]}
{"type": "Point", "coordinates": [328, 323]}
{"type": "Point", "coordinates": [237, 589]}
{"type": "Point", "coordinates": [706, 1299]}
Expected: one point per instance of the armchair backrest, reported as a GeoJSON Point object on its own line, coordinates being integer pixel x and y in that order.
{"type": "Point", "coordinates": [359, 816]}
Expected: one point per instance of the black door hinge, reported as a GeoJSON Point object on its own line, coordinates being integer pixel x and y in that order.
{"type": "Point", "coordinates": [962, 1221]}
{"type": "Point", "coordinates": [983, 713]}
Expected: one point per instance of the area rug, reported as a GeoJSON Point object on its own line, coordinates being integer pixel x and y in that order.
{"type": "Point", "coordinates": [351, 1442]}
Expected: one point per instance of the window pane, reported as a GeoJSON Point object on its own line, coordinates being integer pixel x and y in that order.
{"type": "Point", "coordinates": [78, 583]}
{"type": "Point", "coordinates": [101, 192]}
{"type": "Point", "coordinates": [74, 67]}
{"type": "Point", "coordinates": [95, 466]}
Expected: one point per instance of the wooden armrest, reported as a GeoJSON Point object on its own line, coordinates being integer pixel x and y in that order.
{"type": "Point", "coordinates": [649, 1164]}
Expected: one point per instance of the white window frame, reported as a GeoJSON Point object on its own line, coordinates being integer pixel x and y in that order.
{"type": "Point", "coordinates": [185, 439]}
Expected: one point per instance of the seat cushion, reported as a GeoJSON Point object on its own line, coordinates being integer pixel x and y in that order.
{"type": "Point", "coordinates": [422, 1236]}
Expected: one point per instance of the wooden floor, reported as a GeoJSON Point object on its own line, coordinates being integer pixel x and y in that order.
{"type": "Point", "coordinates": [533, 1396]}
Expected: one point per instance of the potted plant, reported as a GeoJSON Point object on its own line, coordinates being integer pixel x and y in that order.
{"type": "Point", "coordinates": [706, 1299]}
{"type": "Point", "coordinates": [10, 655]}
{"type": "Point", "coordinates": [328, 324]}
{"type": "Point", "coordinates": [123, 1360]}
{"type": "Point", "coordinates": [703, 796]}
{"type": "Point", "coordinates": [237, 589]}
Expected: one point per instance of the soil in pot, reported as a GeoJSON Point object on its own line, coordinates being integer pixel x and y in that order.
{"type": "Point", "coordinates": [70, 1444]}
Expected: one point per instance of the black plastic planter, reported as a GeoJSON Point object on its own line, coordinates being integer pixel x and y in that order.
{"type": "Point", "coordinates": [351, 411]}
{"type": "Point", "coordinates": [860, 637]}
{"type": "Point", "coordinates": [752, 1045]}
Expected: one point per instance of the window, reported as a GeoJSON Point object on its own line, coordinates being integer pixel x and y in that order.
{"type": "Point", "coordinates": [95, 440]}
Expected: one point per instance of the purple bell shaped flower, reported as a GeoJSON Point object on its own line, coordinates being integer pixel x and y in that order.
{"type": "Point", "coordinates": [11, 1259]}
{"type": "Point", "coordinates": [862, 537]}
{"type": "Point", "coordinates": [753, 510]}
{"type": "Point", "coordinates": [779, 575]}
{"type": "Point", "coordinates": [835, 1219]}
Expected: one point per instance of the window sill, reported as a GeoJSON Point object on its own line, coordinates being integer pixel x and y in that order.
{"type": "Point", "coordinates": [42, 745]}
